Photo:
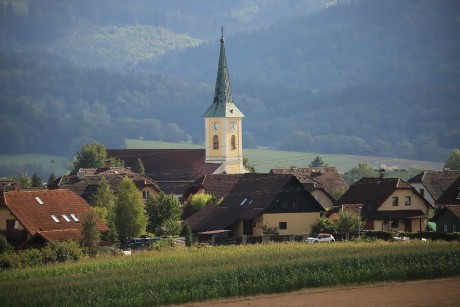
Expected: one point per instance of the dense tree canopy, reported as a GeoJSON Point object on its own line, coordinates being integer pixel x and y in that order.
{"type": "Point", "coordinates": [164, 214]}
{"type": "Point", "coordinates": [360, 171]}
{"type": "Point", "coordinates": [453, 162]}
{"type": "Point", "coordinates": [130, 219]}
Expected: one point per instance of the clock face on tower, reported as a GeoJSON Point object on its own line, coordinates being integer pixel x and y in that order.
{"type": "Point", "coordinates": [215, 127]}
{"type": "Point", "coordinates": [233, 127]}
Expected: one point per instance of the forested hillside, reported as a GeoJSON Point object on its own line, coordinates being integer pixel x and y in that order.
{"type": "Point", "coordinates": [373, 77]}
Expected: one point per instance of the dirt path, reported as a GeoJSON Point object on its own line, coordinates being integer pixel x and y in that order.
{"type": "Point", "coordinates": [438, 292]}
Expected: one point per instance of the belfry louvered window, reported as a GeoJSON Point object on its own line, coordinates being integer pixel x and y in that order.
{"type": "Point", "coordinates": [215, 142]}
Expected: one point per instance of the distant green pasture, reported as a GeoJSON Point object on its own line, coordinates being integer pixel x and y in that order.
{"type": "Point", "coordinates": [40, 163]}
{"type": "Point", "coordinates": [262, 159]}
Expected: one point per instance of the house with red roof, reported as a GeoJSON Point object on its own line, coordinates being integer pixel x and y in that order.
{"type": "Point", "coordinates": [388, 204]}
{"type": "Point", "coordinates": [40, 216]}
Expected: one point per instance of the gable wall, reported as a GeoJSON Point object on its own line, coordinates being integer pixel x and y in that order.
{"type": "Point", "coordinates": [449, 219]}
{"type": "Point", "coordinates": [324, 200]}
{"type": "Point", "coordinates": [417, 202]}
{"type": "Point", "coordinates": [426, 194]}
{"type": "Point", "coordinates": [5, 215]}
{"type": "Point", "coordinates": [297, 223]}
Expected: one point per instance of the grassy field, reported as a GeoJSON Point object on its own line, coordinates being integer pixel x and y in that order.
{"type": "Point", "coordinates": [266, 159]}
{"type": "Point", "coordinates": [40, 163]}
{"type": "Point", "coordinates": [196, 274]}
{"type": "Point", "coordinates": [262, 159]}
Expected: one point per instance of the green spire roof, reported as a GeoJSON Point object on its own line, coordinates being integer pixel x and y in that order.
{"type": "Point", "coordinates": [222, 105]}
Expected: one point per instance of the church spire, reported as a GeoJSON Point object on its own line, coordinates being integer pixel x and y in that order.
{"type": "Point", "coordinates": [222, 105]}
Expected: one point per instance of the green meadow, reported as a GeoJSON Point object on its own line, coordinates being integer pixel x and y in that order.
{"type": "Point", "coordinates": [262, 159]}
{"type": "Point", "coordinates": [185, 275]}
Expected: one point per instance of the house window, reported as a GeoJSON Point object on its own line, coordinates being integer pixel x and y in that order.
{"type": "Point", "coordinates": [295, 205]}
{"type": "Point", "coordinates": [422, 192]}
{"type": "Point", "coordinates": [145, 194]}
{"type": "Point", "coordinates": [16, 224]}
{"type": "Point", "coordinates": [39, 200]}
{"type": "Point", "coordinates": [233, 142]}
{"type": "Point", "coordinates": [283, 225]}
{"type": "Point", "coordinates": [395, 201]}
{"type": "Point", "coordinates": [454, 228]}
{"type": "Point", "coordinates": [74, 217]}
{"type": "Point", "coordinates": [215, 142]}
{"type": "Point", "coordinates": [394, 224]}
{"type": "Point", "coordinates": [407, 200]}
{"type": "Point", "coordinates": [317, 197]}
{"type": "Point", "coordinates": [445, 228]}
{"type": "Point", "coordinates": [285, 204]}
{"type": "Point", "coordinates": [66, 218]}
{"type": "Point", "coordinates": [55, 218]}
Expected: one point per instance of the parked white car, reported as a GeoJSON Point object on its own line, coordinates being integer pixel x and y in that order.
{"type": "Point", "coordinates": [321, 237]}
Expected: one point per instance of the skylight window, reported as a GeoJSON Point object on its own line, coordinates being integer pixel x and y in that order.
{"type": "Point", "coordinates": [458, 195]}
{"type": "Point", "coordinates": [244, 200]}
{"type": "Point", "coordinates": [74, 217]}
{"type": "Point", "coordinates": [39, 200]}
{"type": "Point", "coordinates": [55, 218]}
{"type": "Point", "coordinates": [66, 218]}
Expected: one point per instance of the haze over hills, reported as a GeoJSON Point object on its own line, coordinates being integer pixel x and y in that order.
{"type": "Point", "coordinates": [369, 77]}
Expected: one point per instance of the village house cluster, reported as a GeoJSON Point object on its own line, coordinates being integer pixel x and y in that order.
{"type": "Point", "coordinates": [287, 199]}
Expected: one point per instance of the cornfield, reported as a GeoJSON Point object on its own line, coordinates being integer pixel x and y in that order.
{"type": "Point", "coordinates": [187, 275]}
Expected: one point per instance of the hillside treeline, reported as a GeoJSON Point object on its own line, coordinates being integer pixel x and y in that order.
{"type": "Point", "coordinates": [360, 77]}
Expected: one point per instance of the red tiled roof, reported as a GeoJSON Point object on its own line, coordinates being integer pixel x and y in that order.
{"type": "Point", "coordinates": [34, 209]}
{"type": "Point", "coordinates": [436, 182]}
{"type": "Point", "coordinates": [172, 169]}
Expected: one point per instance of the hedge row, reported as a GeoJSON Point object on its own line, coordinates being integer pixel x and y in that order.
{"type": "Point", "coordinates": [52, 252]}
{"type": "Point", "coordinates": [385, 235]}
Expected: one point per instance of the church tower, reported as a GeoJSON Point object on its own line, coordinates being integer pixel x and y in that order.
{"type": "Point", "coordinates": [223, 123]}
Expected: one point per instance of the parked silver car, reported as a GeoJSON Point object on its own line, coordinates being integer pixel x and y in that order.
{"type": "Point", "coordinates": [321, 237]}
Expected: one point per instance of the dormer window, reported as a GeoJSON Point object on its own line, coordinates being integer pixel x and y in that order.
{"type": "Point", "coordinates": [66, 218]}
{"type": "Point", "coordinates": [55, 218]}
{"type": "Point", "coordinates": [74, 217]}
{"type": "Point", "coordinates": [39, 200]}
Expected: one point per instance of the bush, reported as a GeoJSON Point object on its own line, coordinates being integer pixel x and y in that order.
{"type": "Point", "coordinates": [5, 247]}
{"type": "Point", "coordinates": [30, 257]}
{"type": "Point", "coordinates": [69, 250]}
{"type": "Point", "coordinates": [6, 261]}
{"type": "Point", "coordinates": [382, 235]}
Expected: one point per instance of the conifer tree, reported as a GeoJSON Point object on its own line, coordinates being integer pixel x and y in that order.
{"type": "Point", "coordinates": [139, 167]}
{"type": "Point", "coordinates": [51, 178]}
{"type": "Point", "coordinates": [36, 180]}
{"type": "Point", "coordinates": [90, 234]}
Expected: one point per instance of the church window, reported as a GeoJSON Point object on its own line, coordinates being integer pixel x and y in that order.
{"type": "Point", "coordinates": [215, 142]}
{"type": "Point", "coordinates": [233, 142]}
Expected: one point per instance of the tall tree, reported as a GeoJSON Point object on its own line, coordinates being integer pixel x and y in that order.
{"type": "Point", "coordinates": [90, 234]}
{"type": "Point", "coordinates": [360, 171]}
{"type": "Point", "coordinates": [317, 162]}
{"type": "Point", "coordinates": [51, 178]}
{"type": "Point", "coordinates": [349, 223]}
{"type": "Point", "coordinates": [139, 167]}
{"type": "Point", "coordinates": [93, 155]}
{"type": "Point", "coordinates": [103, 196]}
{"type": "Point", "coordinates": [36, 180]}
{"type": "Point", "coordinates": [453, 162]}
{"type": "Point", "coordinates": [164, 214]}
{"type": "Point", "coordinates": [130, 219]}
{"type": "Point", "coordinates": [23, 179]}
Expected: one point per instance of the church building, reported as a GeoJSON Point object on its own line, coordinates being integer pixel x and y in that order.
{"type": "Point", "coordinates": [223, 123]}
{"type": "Point", "coordinates": [175, 169]}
